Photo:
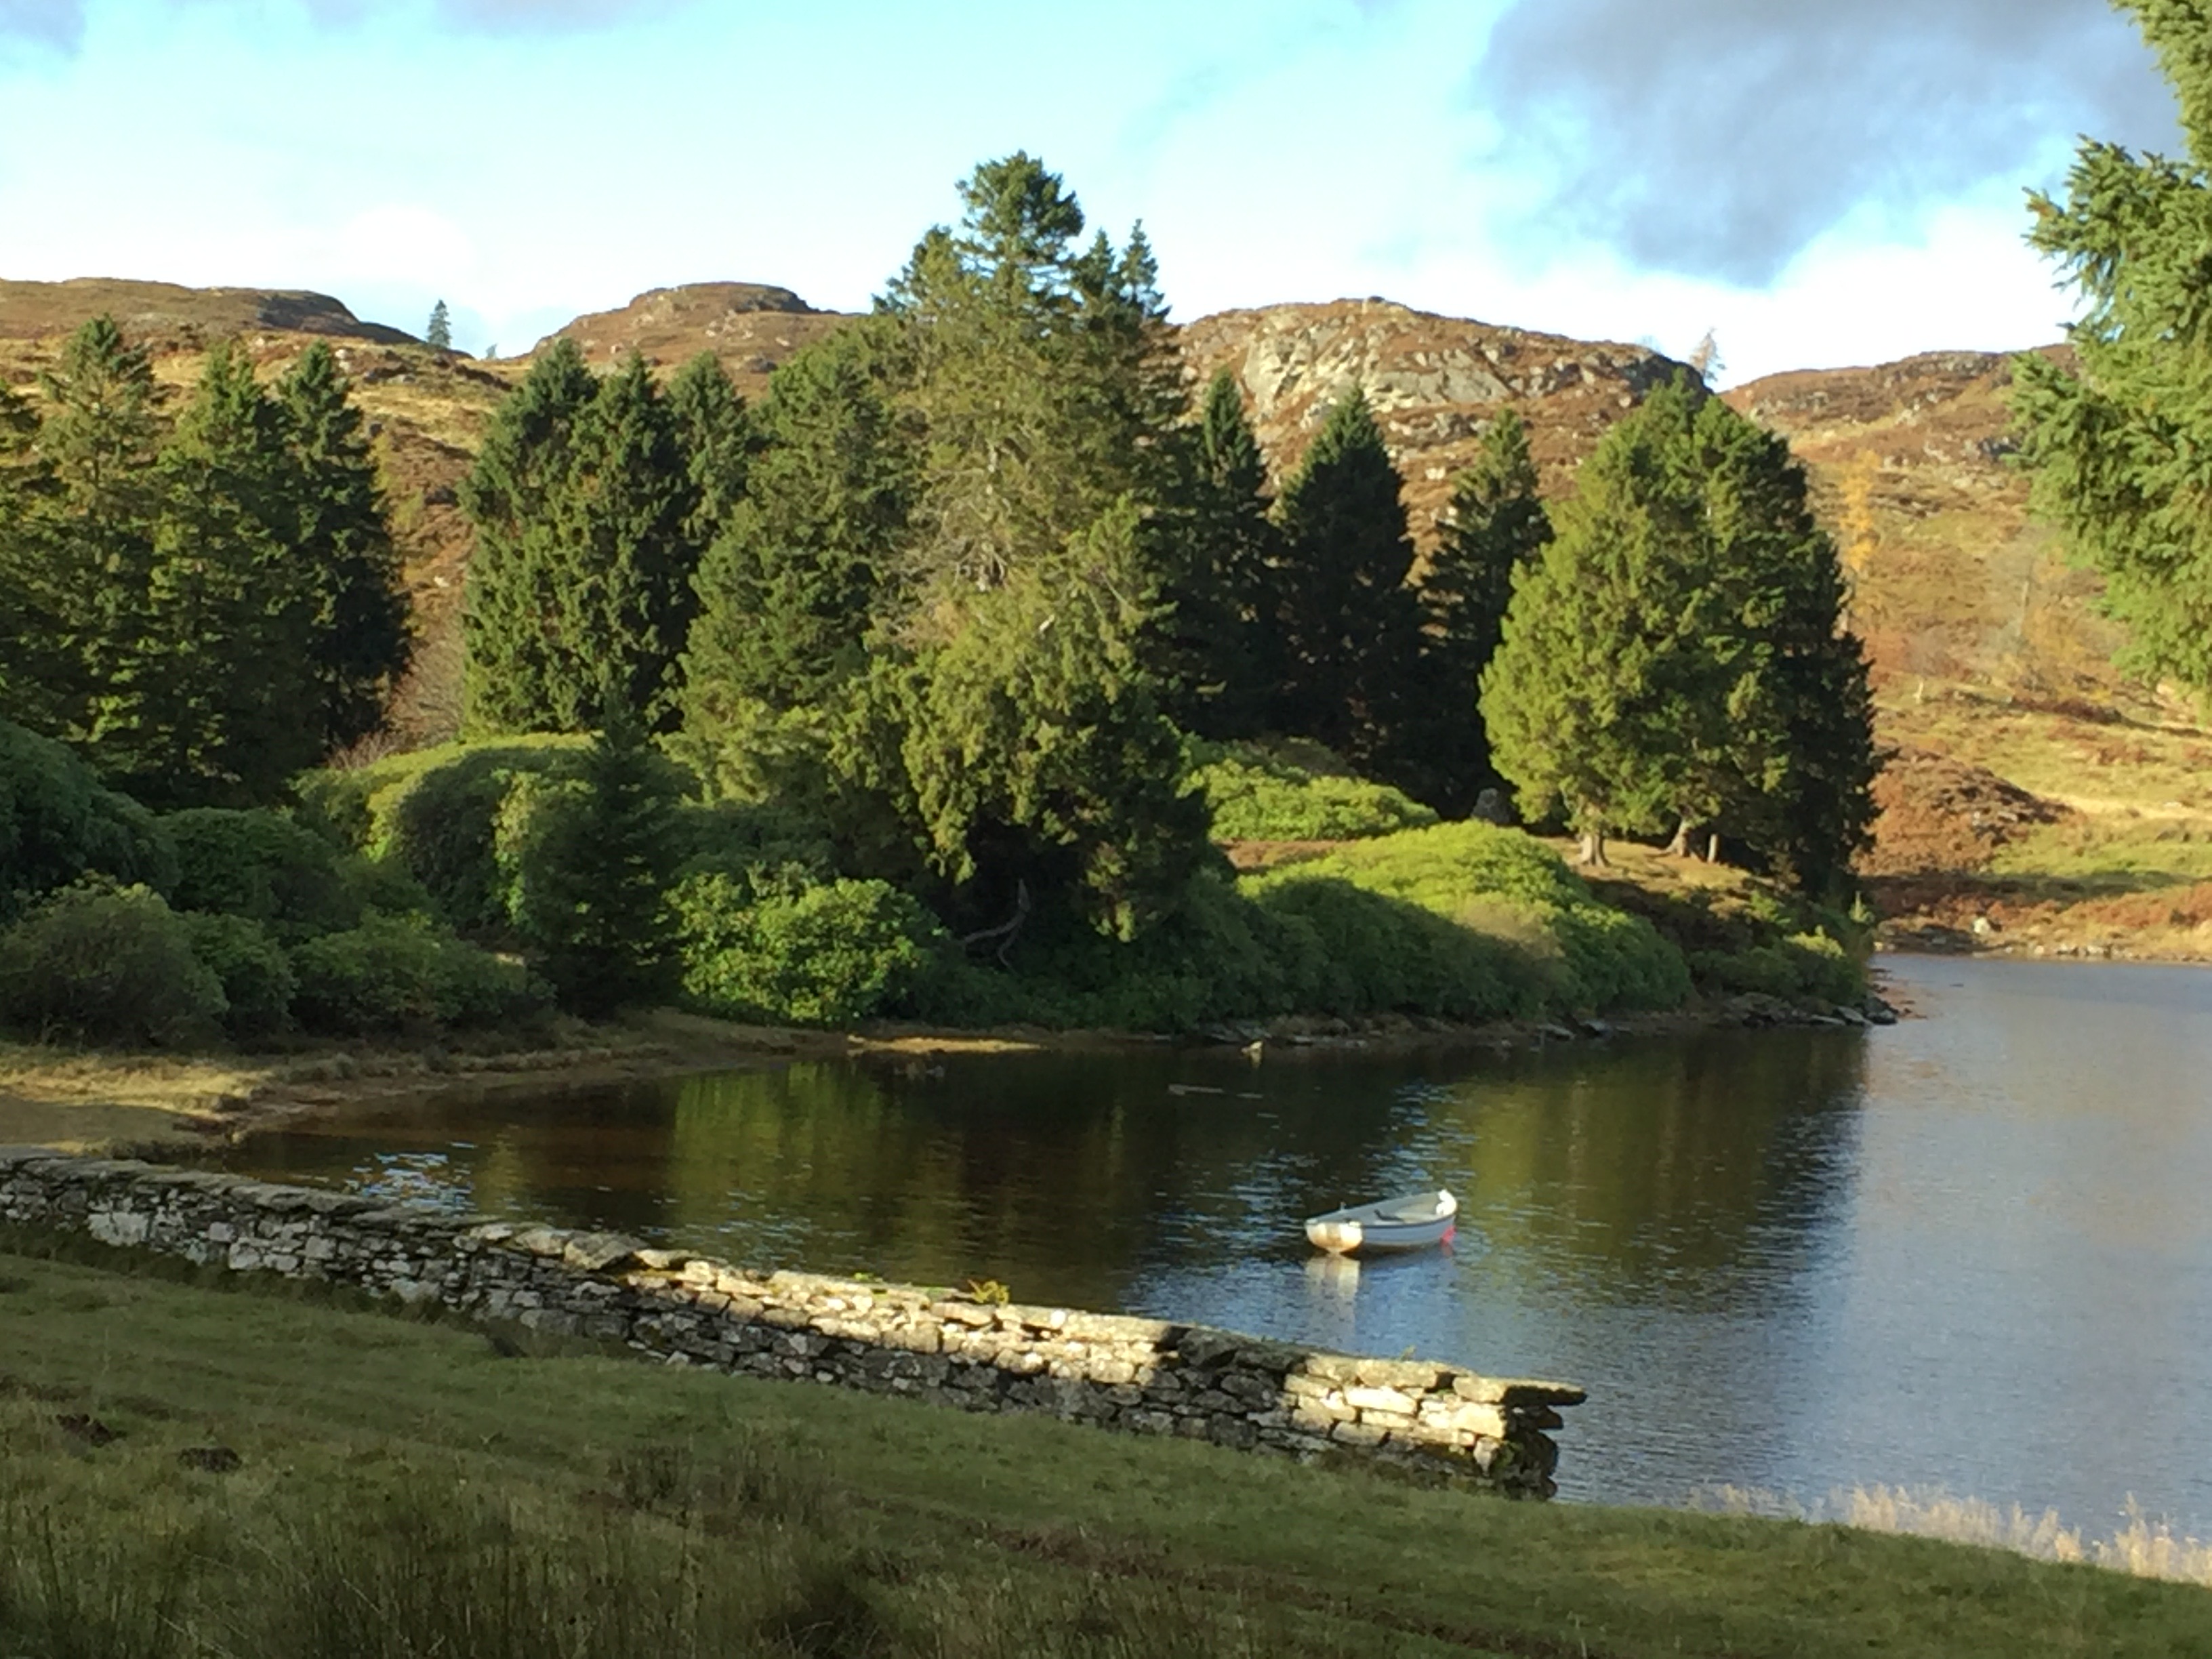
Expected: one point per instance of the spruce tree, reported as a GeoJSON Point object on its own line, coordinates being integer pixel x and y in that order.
{"type": "Point", "coordinates": [2116, 445]}
{"type": "Point", "coordinates": [1346, 627]}
{"type": "Point", "coordinates": [358, 642]}
{"type": "Point", "coordinates": [1495, 523]}
{"type": "Point", "coordinates": [1223, 552]}
{"type": "Point", "coordinates": [98, 435]}
{"type": "Point", "coordinates": [597, 860]}
{"type": "Point", "coordinates": [206, 704]}
{"type": "Point", "coordinates": [716, 435]}
{"type": "Point", "coordinates": [438, 335]}
{"type": "Point", "coordinates": [32, 667]}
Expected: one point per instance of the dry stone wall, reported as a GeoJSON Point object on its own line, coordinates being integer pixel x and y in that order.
{"type": "Point", "coordinates": [1143, 1376]}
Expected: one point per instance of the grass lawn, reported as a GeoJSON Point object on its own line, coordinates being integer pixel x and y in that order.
{"type": "Point", "coordinates": [402, 1489]}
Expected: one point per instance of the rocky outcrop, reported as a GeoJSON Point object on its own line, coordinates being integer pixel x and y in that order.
{"type": "Point", "coordinates": [752, 327]}
{"type": "Point", "coordinates": [164, 311]}
{"type": "Point", "coordinates": [1141, 1375]}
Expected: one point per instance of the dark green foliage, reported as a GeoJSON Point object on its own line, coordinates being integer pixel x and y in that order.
{"type": "Point", "coordinates": [1495, 524]}
{"type": "Point", "coordinates": [1346, 628]}
{"type": "Point", "coordinates": [591, 858]}
{"type": "Point", "coordinates": [107, 965]}
{"type": "Point", "coordinates": [716, 435]}
{"type": "Point", "coordinates": [36, 667]}
{"type": "Point", "coordinates": [1675, 655]}
{"type": "Point", "coordinates": [828, 954]}
{"type": "Point", "coordinates": [786, 591]}
{"type": "Point", "coordinates": [357, 638]}
{"type": "Point", "coordinates": [205, 701]}
{"type": "Point", "coordinates": [2116, 446]}
{"type": "Point", "coordinates": [1810, 965]}
{"type": "Point", "coordinates": [262, 866]}
{"type": "Point", "coordinates": [251, 966]}
{"type": "Point", "coordinates": [58, 824]}
{"type": "Point", "coordinates": [1295, 792]}
{"type": "Point", "coordinates": [438, 334]}
{"type": "Point", "coordinates": [401, 974]}
{"type": "Point", "coordinates": [1221, 577]}
{"type": "Point", "coordinates": [583, 505]}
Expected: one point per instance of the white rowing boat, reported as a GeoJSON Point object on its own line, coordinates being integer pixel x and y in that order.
{"type": "Point", "coordinates": [1396, 1224]}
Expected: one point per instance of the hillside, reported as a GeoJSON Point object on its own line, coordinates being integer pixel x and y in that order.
{"type": "Point", "coordinates": [1993, 670]}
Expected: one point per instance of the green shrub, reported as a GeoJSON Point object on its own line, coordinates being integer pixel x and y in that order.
{"type": "Point", "coordinates": [819, 954]}
{"type": "Point", "coordinates": [1803, 965]}
{"type": "Point", "coordinates": [396, 973]}
{"type": "Point", "coordinates": [107, 965]}
{"type": "Point", "coordinates": [1256, 794]}
{"type": "Point", "coordinates": [434, 815]}
{"type": "Point", "coordinates": [255, 973]}
{"type": "Point", "coordinates": [261, 864]}
{"type": "Point", "coordinates": [58, 824]}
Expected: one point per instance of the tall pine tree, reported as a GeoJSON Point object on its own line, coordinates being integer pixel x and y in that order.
{"type": "Point", "coordinates": [716, 434]}
{"type": "Point", "coordinates": [1346, 627]}
{"type": "Point", "coordinates": [2118, 445]}
{"type": "Point", "coordinates": [1494, 523]}
{"type": "Point", "coordinates": [32, 668]}
{"type": "Point", "coordinates": [582, 501]}
{"type": "Point", "coordinates": [358, 642]}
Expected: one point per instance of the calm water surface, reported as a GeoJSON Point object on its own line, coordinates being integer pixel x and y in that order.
{"type": "Point", "coordinates": [1972, 1250]}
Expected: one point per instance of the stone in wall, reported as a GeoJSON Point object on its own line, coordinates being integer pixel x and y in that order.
{"type": "Point", "coordinates": [1141, 1375]}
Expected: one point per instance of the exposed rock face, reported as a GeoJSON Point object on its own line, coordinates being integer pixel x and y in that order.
{"type": "Point", "coordinates": [31, 311]}
{"type": "Point", "coordinates": [1142, 1376]}
{"type": "Point", "coordinates": [752, 327]}
{"type": "Point", "coordinates": [1435, 383]}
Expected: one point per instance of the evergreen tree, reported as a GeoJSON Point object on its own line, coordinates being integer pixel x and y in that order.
{"type": "Point", "coordinates": [98, 436]}
{"type": "Point", "coordinates": [581, 496]}
{"type": "Point", "coordinates": [717, 439]}
{"type": "Point", "coordinates": [438, 335]}
{"type": "Point", "coordinates": [206, 702]}
{"type": "Point", "coordinates": [31, 669]}
{"type": "Point", "coordinates": [358, 642]}
{"type": "Point", "coordinates": [597, 862]}
{"type": "Point", "coordinates": [1674, 657]}
{"type": "Point", "coordinates": [1222, 558]}
{"type": "Point", "coordinates": [2117, 447]}
{"type": "Point", "coordinates": [787, 590]}
{"type": "Point", "coordinates": [1495, 524]}
{"type": "Point", "coordinates": [1347, 627]}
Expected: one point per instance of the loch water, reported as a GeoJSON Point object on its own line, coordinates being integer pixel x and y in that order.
{"type": "Point", "coordinates": [1972, 1250]}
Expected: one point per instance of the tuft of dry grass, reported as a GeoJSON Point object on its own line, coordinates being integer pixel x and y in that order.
{"type": "Point", "coordinates": [2146, 1547]}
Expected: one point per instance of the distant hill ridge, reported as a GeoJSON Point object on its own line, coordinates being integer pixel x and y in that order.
{"type": "Point", "coordinates": [32, 311]}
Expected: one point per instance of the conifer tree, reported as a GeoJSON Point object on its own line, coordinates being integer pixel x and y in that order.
{"type": "Point", "coordinates": [716, 435]}
{"type": "Point", "coordinates": [787, 590]}
{"type": "Point", "coordinates": [205, 705]}
{"type": "Point", "coordinates": [1495, 524]}
{"type": "Point", "coordinates": [1347, 626]}
{"type": "Point", "coordinates": [595, 870]}
{"type": "Point", "coordinates": [439, 335]}
{"type": "Point", "coordinates": [98, 437]}
{"type": "Point", "coordinates": [357, 641]}
{"type": "Point", "coordinates": [581, 579]}
{"type": "Point", "coordinates": [1676, 656]}
{"type": "Point", "coordinates": [1221, 569]}
{"type": "Point", "coordinates": [32, 668]}
{"type": "Point", "coordinates": [2116, 445]}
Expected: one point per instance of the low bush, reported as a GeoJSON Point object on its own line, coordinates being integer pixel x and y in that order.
{"type": "Point", "coordinates": [828, 954]}
{"type": "Point", "coordinates": [1803, 965]}
{"type": "Point", "coordinates": [58, 824]}
{"type": "Point", "coordinates": [262, 866]}
{"type": "Point", "coordinates": [397, 974]}
{"type": "Point", "coordinates": [107, 965]}
{"type": "Point", "coordinates": [251, 966]}
{"type": "Point", "coordinates": [1260, 794]}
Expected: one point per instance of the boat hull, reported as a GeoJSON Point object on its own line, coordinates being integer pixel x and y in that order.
{"type": "Point", "coordinates": [1403, 1223]}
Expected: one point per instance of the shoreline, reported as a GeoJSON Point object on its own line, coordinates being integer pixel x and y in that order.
{"type": "Point", "coordinates": [105, 1101]}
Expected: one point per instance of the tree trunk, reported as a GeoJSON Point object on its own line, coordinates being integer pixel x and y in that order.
{"type": "Point", "coordinates": [1713, 849]}
{"type": "Point", "coordinates": [1680, 847]}
{"type": "Point", "coordinates": [1592, 855]}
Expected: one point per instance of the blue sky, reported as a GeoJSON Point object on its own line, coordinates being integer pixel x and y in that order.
{"type": "Point", "coordinates": [1820, 181]}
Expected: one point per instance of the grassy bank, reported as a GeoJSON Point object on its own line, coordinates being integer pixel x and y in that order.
{"type": "Point", "coordinates": [434, 1496]}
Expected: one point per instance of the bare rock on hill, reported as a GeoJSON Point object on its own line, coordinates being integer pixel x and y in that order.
{"type": "Point", "coordinates": [1939, 815]}
{"type": "Point", "coordinates": [1435, 383]}
{"type": "Point", "coordinates": [164, 312]}
{"type": "Point", "coordinates": [752, 327]}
